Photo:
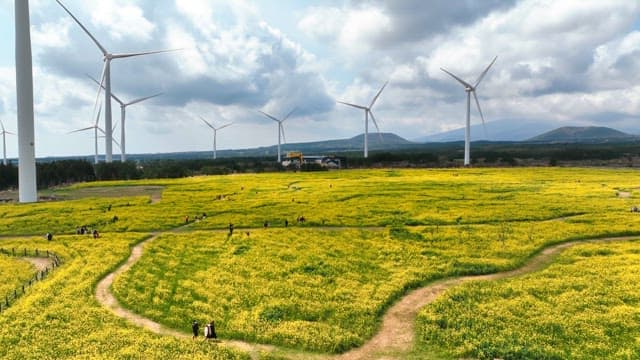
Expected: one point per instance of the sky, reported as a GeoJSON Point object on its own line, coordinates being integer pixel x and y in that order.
{"type": "Point", "coordinates": [575, 62]}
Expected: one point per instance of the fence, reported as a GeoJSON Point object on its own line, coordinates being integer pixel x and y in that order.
{"type": "Point", "coordinates": [55, 262]}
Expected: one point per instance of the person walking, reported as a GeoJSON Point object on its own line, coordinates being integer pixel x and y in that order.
{"type": "Point", "coordinates": [195, 327]}
{"type": "Point", "coordinates": [210, 331]}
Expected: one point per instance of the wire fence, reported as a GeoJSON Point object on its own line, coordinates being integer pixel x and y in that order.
{"type": "Point", "coordinates": [54, 262]}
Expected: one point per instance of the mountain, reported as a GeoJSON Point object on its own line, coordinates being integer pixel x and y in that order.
{"type": "Point", "coordinates": [499, 130]}
{"type": "Point", "coordinates": [582, 134]}
{"type": "Point", "coordinates": [382, 141]}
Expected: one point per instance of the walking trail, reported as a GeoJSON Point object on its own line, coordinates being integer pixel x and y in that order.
{"type": "Point", "coordinates": [396, 334]}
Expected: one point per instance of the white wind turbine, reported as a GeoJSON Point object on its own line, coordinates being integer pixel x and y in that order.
{"type": "Point", "coordinates": [106, 77]}
{"type": "Point", "coordinates": [123, 107]}
{"type": "Point", "coordinates": [27, 188]}
{"type": "Point", "coordinates": [95, 128]}
{"type": "Point", "coordinates": [280, 128]}
{"type": "Point", "coordinates": [367, 112]}
{"type": "Point", "coordinates": [215, 133]}
{"type": "Point", "coordinates": [470, 89]}
{"type": "Point", "coordinates": [4, 143]}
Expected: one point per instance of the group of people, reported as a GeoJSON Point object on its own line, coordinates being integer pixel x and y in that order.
{"type": "Point", "coordinates": [209, 330]}
{"type": "Point", "coordinates": [197, 218]}
{"type": "Point", "coordinates": [84, 230]}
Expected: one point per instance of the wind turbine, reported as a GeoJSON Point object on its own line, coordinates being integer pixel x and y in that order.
{"type": "Point", "coordinates": [95, 128]}
{"type": "Point", "coordinates": [27, 188]}
{"type": "Point", "coordinates": [106, 77]}
{"type": "Point", "coordinates": [468, 88]}
{"type": "Point", "coordinates": [215, 133]}
{"type": "Point", "coordinates": [280, 128]}
{"type": "Point", "coordinates": [367, 112]}
{"type": "Point", "coordinates": [4, 143]}
{"type": "Point", "coordinates": [123, 107]}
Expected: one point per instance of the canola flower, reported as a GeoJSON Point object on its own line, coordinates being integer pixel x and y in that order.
{"type": "Point", "coordinates": [583, 306]}
{"type": "Point", "coordinates": [59, 317]}
{"type": "Point", "coordinates": [321, 285]}
{"type": "Point", "coordinates": [13, 273]}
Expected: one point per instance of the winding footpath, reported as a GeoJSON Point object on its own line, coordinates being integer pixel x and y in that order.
{"type": "Point", "coordinates": [396, 334]}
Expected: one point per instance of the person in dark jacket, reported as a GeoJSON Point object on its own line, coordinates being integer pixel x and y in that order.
{"type": "Point", "coordinates": [195, 327]}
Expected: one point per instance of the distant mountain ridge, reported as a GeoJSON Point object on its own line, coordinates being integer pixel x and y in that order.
{"type": "Point", "coordinates": [377, 141]}
{"type": "Point", "coordinates": [575, 134]}
{"type": "Point", "coordinates": [498, 130]}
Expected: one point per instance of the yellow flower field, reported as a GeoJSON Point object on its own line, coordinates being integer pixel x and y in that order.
{"type": "Point", "coordinates": [584, 306]}
{"type": "Point", "coordinates": [13, 273]}
{"type": "Point", "coordinates": [320, 285]}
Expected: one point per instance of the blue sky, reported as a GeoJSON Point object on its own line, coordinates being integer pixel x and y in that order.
{"type": "Point", "coordinates": [575, 62]}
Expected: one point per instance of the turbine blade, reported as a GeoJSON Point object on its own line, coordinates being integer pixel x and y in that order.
{"type": "Point", "coordinates": [289, 114]}
{"type": "Point", "coordinates": [102, 86]}
{"type": "Point", "coordinates": [484, 72]}
{"type": "Point", "coordinates": [480, 111]}
{"type": "Point", "coordinates": [98, 116]}
{"type": "Point", "coordinates": [464, 83]}
{"type": "Point", "coordinates": [83, 129]}
{"type": "Point", "coordinates": [9, 132]}
{"type": "Point", "coordinates": [142, 99]}
{"type": "Point", "coordinates": [206, 122]}
{"type": "Point", "coordinates": [269, 116]}
{"type": "Point", "coordinates": [284, 139]}
{"type": "Point", "coordinates": [354, 105]}
{"type": "Point", "coordinates": [375, 123]}
{"type": "Point", "coordinates": [224, 126]}
{"type": "Point", "coordinates": [126, 55]}
{"type": "Point", "coordinates": [104, 51]}
{"type": "Point", "coordinates": [2, 124]}
{"type": "Point", "coordinates": [378, 94]}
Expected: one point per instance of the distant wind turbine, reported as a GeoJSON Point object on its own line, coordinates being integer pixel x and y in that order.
{"type": "Point", "coordinates": [106, 77]}
{"type": "Point", "coordinates": [367, 112]}
{"type": "Point", "coordinates": [470, 89]}
{"type": "Point", "coordinates": [123, 107]}
{"type": "Point", "coordinates": [215, 133]}
{"type": "Point", "coordinates": [280, 128]}
{"type": "Point", "coordinates": [4, 143]}
{"type": "Point", "coordinates": [95, 128]}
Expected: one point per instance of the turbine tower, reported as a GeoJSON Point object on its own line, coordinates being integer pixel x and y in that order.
{"type": "Point", "coordinates": [367, 112]}
{"type": "Point", "coordinates": [215, 133]}
{"type": "Point", "coordinates": [280, 128]}
{"type": "Point", "coordinates": [4, 143]}
{"type": "Point", "coordinates": [123, 107]}
{"type": "Point", "coordinates": [469, 89]}
{"type": "Point", "coordinates": [106, 77]}
{"type": "Point", "coordinates": [28, 191]}
{"type": "Point", "coordinates": [95, 128]}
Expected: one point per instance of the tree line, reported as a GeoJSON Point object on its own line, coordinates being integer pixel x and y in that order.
{"type": "Point", "coordinates": [59, 172]}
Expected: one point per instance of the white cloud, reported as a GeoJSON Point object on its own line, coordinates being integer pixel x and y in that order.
{"type": "Point", "coordinates": [121, 20]}
{"type": "Point", "coordinates": [355, 30]}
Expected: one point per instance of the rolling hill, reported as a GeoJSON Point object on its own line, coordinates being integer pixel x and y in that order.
{"type": "Point", "coordinates": [582, 134]}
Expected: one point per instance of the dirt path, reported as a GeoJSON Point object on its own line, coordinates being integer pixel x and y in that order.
{"type": "Point", "coordinates": [106, 298]}
{"type": "Point", "coordinates": [394, 338]}
{"type": "Point", "coordinates": [38, 262]}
